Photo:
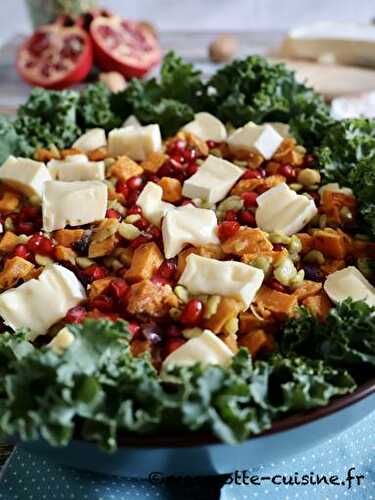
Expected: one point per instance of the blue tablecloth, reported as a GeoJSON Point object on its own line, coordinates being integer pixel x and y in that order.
{"type": "Point", "coordinates": [29, 477]}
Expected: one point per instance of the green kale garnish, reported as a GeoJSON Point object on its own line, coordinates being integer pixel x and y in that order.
{"type": "Point", "coordinates": [94, 108]}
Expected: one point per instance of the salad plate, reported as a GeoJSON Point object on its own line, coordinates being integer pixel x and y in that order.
{"type": "Point", "coordinates": [187, 271]}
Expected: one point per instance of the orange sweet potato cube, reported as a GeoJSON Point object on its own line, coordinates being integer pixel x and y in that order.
{"type": "Point", "coordinates": [97, 287]}
{"type": "Point", "coordinates": [124, 168]}
{"type": "Point", "coordinates": [307, 289]}
{"type": "Point", "coordinates": [146, 260]}
{"type": "Point", "coordinates": [320, 305]}
{"type": "Point", "coordinates": [306, 241]}
{"type": "Point", "coordinates": [8, 242]}
{"type": "Point", "coordinates": [228, 309]}
{"type": "Point", "coordinates": [248, 241]}
{"type": "Point", "coordinates": [9, 201]}
{"type": "Point", "coordinates": [210, 251]}
{"type": "Point", "coordinates": [65, 253]}
{"type": "Point", "coordinates": [152, 299]}
{"type": "Point", "coordinates": [246, 185]}
{"type": "Point", "coordinates": [255, 341]}
{"type": "Point", "coordinates": [154, 161]}
{"type": "Point", "coordinates": [15, 269]}
{"type": "Point", "coordinates": [98, 154]}
{"type": "Point", "coordinates": [101, 248]}
{"type": "Point", "coordinates": [330, 243]}
{"type": "Point", "coordinates": [250, 321]}
{"type": "Point", "coordinates": [172, 189]}
{"type": "Point", "coordinates": [67, 237]}
{"type": "Point", "coordinates": [281, 305]}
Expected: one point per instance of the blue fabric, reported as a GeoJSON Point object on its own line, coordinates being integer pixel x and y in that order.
{"type": "Point", "coordinates": [28, 477]}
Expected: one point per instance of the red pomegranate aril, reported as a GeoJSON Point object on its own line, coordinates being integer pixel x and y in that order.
{"type": "Point", "coordinates": [122, 187]}
{"type": "Point", "coordinates": [154, 232]}
{"type": "Point", "coordinates": [189, 154]}
{"type": "Point", "coordinates": [173, 331]}
{"type": "Point", "coordinates": [134, 211]}
{"type": "Point", "coordinates": [211, 144]}
{"type": "Point", "coordinates": [250, 199]}
{"type": "Point", "coordinates": [309, 161]}
{"type": "Point", "coordinates": [95, 272]}
{"type": "Point", "coordinates": [177, 159]}
{"type": "Point", "coordinates": [135, 183]}
{"type": "Point", "coordinates": [252, 174]}
{"type": "Point", "coordinates": [76, 315]}
{"type": "Point", "coordinates": [227, 229]}
{"type": "Point", "coordinates": [141, 224]}
{"type": "Point", "coordinates": [276, 285]}
{"type": "Point", "coordinates": [22, 251]}
{"type": "Point", "coordinates": [168, 269]}
{"type": "Point", "coordinates": [134, 329]}
{"type": "Point", "coordinates": [140, 240]}
{"type": "Point", "coordinates": [103, 303]}
{"type": "Point", "coordinates": [25, 228]}
{"type": "Point", "coordinates": [230, 215]}
{"type": "Point", "coordinates": [29, 213]}
{"type": "Point", "coordinates": [287, 171]}
{"type": "Point", "coordinates": [247, 218]}
{"type": "Point", "coordinates": [191, 169]}
{"type": "Point", "coordinates": [176, 146]}
{"type": "Point", "coordinates": [153, 178]}
{"type": "Point", "coordinates": [118, 288]}
{"type": "Point", "coordinates": [173, 344]}
{"type": "Point", "coordinates": [278, 247]}
{"type": "Point", "coordinates": [192, 313]}
{"type": "Point", "coordinates": [111, 213]}
{"type": "Point", "coordinates": [160, 281]}
{"type": "Point", "coordinates": [132, 198]}
{"type": "Point", "coordinates": [41, 245]}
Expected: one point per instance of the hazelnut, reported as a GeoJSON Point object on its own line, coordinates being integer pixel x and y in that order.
{"type": "Point", "coordinates": [223, 48]}
{"type": "Point", "coordinates": [113, 80]}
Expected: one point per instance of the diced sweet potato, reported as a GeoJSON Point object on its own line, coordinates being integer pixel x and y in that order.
{"type": "Point", "coordinates": [247, 241]}
{"type": "Point", "coordinates": [152, 299]}
{"type": "Point", "coordinates": [274, 256]}
{"type": "Point", "coordinates": [331, 243]}
{"type": "Point", "coordinates": [65, 254]}
{"type": "Point", "coordinates": [255, 341]}
{"type": "Point", "coordinates": [146, 261]}
{"type": "Point", "coordinates": [210, 251]}
{"type": "Point", "coordinates": [139, 347]}
{"type": "Point", "coordinates": [273, 180]}
{"type": "Point", "coordinates": [44, 155]}
{"type": "Point", "coordinates": [307, 242]}
{"type": "Point", "coordinates": [66, 237]}
{"type": "Point", "coordinates": [231, 341]}
{"type": "Point", "coordinates": [332, 265]}
{"type": "Point", "coordinates": [246, 185]}
{"type": "Point", "coordinates": [98, 154]}
{"type": "Point", "coordinates": [97, 287]}
{"type": "Point", "coordinates": [103, 247]}
{"type": "Point", "coordinates": [172, 189]}
{"type": "Point", "coordinates": [272, 167]}
{"type": "Point", "coordinates": [307, 289]}
{"type": "Point", "coordinates": [282, 305]}
{"type": "Point", "coordinates": [65, 153]}
{"type": "Point", "coordinates": [9, 201]}
{"type": "Point", "coordinates": [288, 153]}
{"type": "Point", "coordinates": [228, 309]}
{"type": "Point", "coordinates": [249, 321]}
{"type": "Point", "coordinates": [332, 203]}
{"type": "Point", "coordinates": [15, 269]}
{"type": "Point", "coordinates": [154, 161]}
{"type": "Point", "coordinates": [125, 168]}
{"type": "Point", "coordinates": [198, 143]}
{"type": "Point", "coordinates": [8, 242]}
{"type": "Point", "coordinates": [320, 305]}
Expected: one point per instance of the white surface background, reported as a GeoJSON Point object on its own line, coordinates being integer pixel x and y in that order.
{"type": "Point", "coordinates": [225, 15]}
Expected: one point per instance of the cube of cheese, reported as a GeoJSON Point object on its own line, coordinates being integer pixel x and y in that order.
{"type": "Point", "coordinates": [282, 209]}
{"type": "Point", "coordinates": [150, 201]}
{"type": "Point", "coordinates": [216, 277]}
{"type": "Point", "coordinates": [188, 224]}
{"type": "Point", "coordinates": [92, 139]}
{"type": "Point", "coordinates": [281, 128]}
{"type": "Point", "coordinates": [73, 203]}
{"type": "Point", "coordinates": [76, 168]}
{"type": "Point", "coordinates": [349, 282]}
{"type": "Point", "coordinates": [261, 139]}
{"type": "Point", "coordinates": [213, 180]}
{"type": "Point", "coordinates": [39, 303]}
{"type": "Point", "coordinates": [62, 341]}
{"type": "Point", "coordinates": [207, 349]}
{"type": "Point", "coordinates": [206, 127]}
{"type": "Point", "coordinates": [131, 121]}
{"type": "Point", "coordinates": [135, 142]}
{"type": "Point", "coordinates": [24, 175]}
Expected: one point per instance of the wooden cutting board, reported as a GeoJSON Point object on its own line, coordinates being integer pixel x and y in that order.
{"type": "Point", "coordinates": [332, 80]}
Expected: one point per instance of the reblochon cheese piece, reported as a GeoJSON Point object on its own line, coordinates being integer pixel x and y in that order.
{"type": "Point", "coordinates": [188, 224]}
{"type": "Point", "coordinates": [349, 282]}
{"type": "Point", "coordinates": [76, 168]}
{"type": "Point", "coordinates": [206, 127]}
{"type": "Point", "coordinates": [40, 303]}
{"type": "Point", "coordinates": [73, 203]}
{"type": "Point", "coordinates": [280, 209]}
{"type": "Point", "coordinates": [261, 139]}
{"type": "Point", "coordinates": [150, 201]}
{"type": "Point", "coordinates": [213, 180]}
{"type": "Point", "coordinates": [215, 277]}
{"type": "Point", "coordinates": [206, 349]}
{"type": "Point", "coordinates": [135, 142]}
{"type": "Point", "coordinates": [92, 139]}
{"type": "Point", "coordinates": [24, 175]}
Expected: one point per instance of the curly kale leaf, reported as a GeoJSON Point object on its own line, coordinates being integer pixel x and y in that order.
{"type": "Point", "coordinates": [9, 139]}
{"type": "Point", "coordinates": [95, 108]}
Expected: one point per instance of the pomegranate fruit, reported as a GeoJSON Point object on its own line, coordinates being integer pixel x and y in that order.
{"type": "Point", "coordinates": [55, 56]}
{"type": "Point", "coordinates": [124, 46]}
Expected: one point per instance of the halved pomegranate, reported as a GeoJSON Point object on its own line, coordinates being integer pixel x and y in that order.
{"type": "Point", "coordinates": [124, 46]}
{"type": "Point", "coordinates": [55, 56]}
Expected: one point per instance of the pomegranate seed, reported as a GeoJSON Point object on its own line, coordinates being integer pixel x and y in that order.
{"type": "Point", "coordinates": [230, 215]}
{"type": "Point", "coordinates": [159, 280]}
{"type": "Point", "coordinates": [189, 154]}
{"type": "Point", "coordinates": [316, 197]}
{"type": "Point", "coordinates": [168, 269]}
{"type": "Point", "coordinates": [132, 198]}
{"type": "Point", "coordinates": [211, 144]}
{"type": "Point", "coordinates": [103, 303]}
{"type": "Point", "coordinates": [177, 145]}
{"type": "Point", "coordinates": [173, 331]}
{"type": "Point", "coordinates": [41, 245]}
{"type": "Point", "coordinates": [177, 159]}
{"type": "Point", "coordinates": [134, 183]}
{"type": "Point", "coordinates": [22, 251]}
{"type": "Point", "coordinates": [29, 213]}
{"type": "Point", "coordinates": [143, 238]}
{"type": "Point", "coordinates": [250, 199]}
{"type": "Point", "coordinates": [141, 224]}
{"type": "Point", "coordinates": [118, 288]}
{"type": "Point", "coordinates": [111, 213]}
{"type": "Point", "coordinates": [276, 285]}
{"type": "Point", "coordinates": [153, 178]}
{"type": "Point", "coordinates": [95, 272]}
{"type": "Point", "coordinates": [191, 169]}
{"type": "Point", "coordinates": [287, 171]}
{"type": "Point", "coordinates": [262, 172]}
{"type": "Point", "coordinates": [134, 329]}
{"type": "Point", "coordinates": [192, 313]}
{"type": "Point", "coordinates": [278, 247]}
{"type": "Point", "coordinates": [76, 315]}
{"type": "Point", "coordinates": [252, 174]}
{"type": "Point", "coordinates": [247, 218]}
{"type": "Point", "coordinates": [25, 228]}
{"type": "Point", "coordinates": [173, 344]}
{"type": "Point", "coordinates": [154, 232]}
{"type": "Point", "coordinates": [227, 229]}
{"type": "Point", "coordinates": [122, 187]}
{"type": "Point", "coordinates": [134, 210]}
{"type": "Point", "coordinates": [309, 161]}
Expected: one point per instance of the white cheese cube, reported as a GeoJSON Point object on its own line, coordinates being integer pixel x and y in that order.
{"type": "Point", "coordinates": [40, 303]}
{"type": "Point", "coordinates": [282, 129]}
{"type": "Point", "coordinates": [73, 203]}
{"type": "Point", "coordinates": [135, 142]}
{"type": "Point", "coordinates": [349, 282]}
{"type": "Point", "coordinates": [150, 201]}
{"type": "Point", "coordinates": [261, 139]}
{"type": "Point", "coordinates": [213, 180]}
{"type": "Point", "coordinates": [76, 168]}
{"type": "Point", "coordinates": [131, 121]}
{"type": "Point", "coordinates": [92, 139]}
{"type": "Point", "coordinates": [215, 277]}
{"type": "Point", "coordinates": [24, 175]}
{"type": "Point", "coordinates": [188, 224]}
{"type": "Point", "coordinates": [283, 210]}
{"type": "Point", "coordinates": [62, 341]}
{"type": "Point", "coordinates": [207, 349]}
{"type": "Point", "coordinates": [206, 127]}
